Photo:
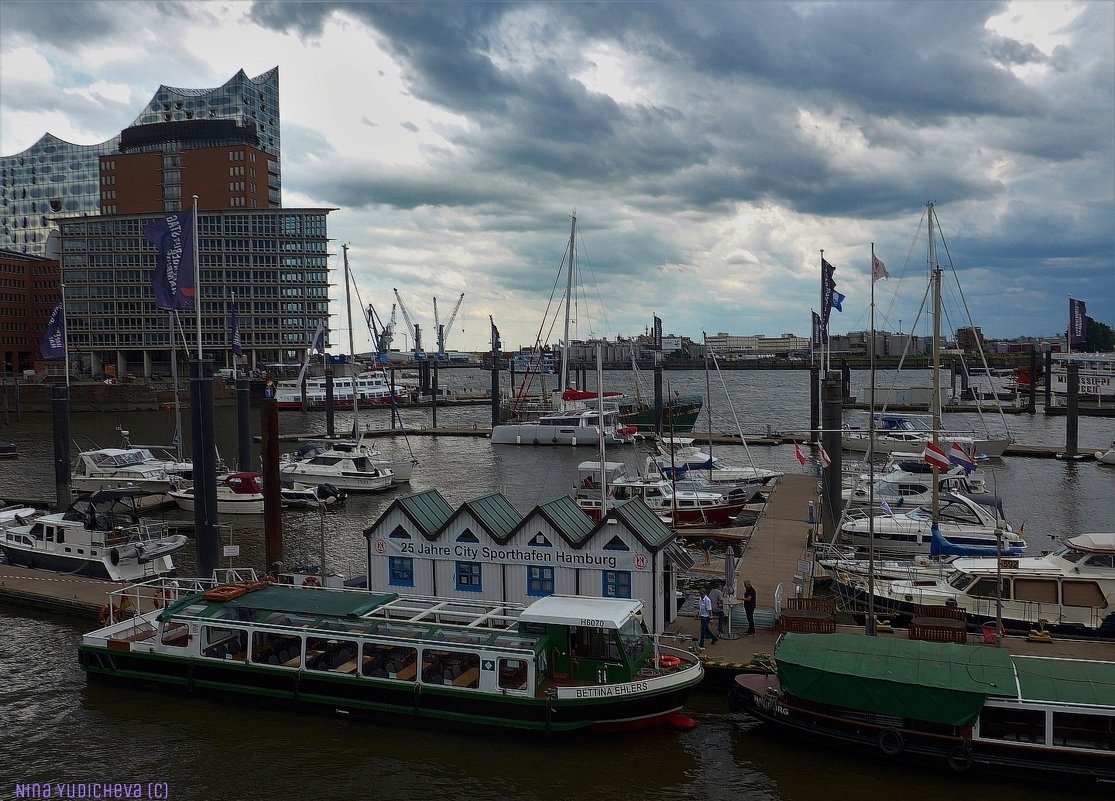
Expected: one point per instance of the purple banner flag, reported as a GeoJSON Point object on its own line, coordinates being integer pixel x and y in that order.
{"type": "Point", "coordinates": [496, 344]}
{"type": "Point", "coordinates": [828, 286]}
{"type": "Point", "coordinates": [819, 336]}
{"type": "Point", "coordinates": [1078, 322]}
{"type": "Point", "coordinates": [657, 333]}
{"type": "Point", "coordinates": [53, 345]}
{"type": "Point", "coordinates": [173, 238]}
{"type": "Point", "coordinates": [234, 325]}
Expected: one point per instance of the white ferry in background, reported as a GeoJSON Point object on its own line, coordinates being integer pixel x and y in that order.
{"type": "Point", "coordinates": [372, 387]}
{"type": "Point", "coordinates": [1096, 370]}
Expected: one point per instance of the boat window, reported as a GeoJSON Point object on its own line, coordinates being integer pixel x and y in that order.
{"type": "Point", "coordinates": [176, 635]}
{"type": "Point", "coordinates": [513, 674]}
{"type": "Point", "coordinates": [459, 668]}
{"type": "Point", "coordinates": [1070, 556]}
{"type": "Point", "coordinates": [1099, 560]}
{"type": "Point", "coordinates": [401, 630]}
{"type": "Point", "coordinates": [338, 656]}
{"type": "Point", "coordinates": [958, 512]}
{"type": "Point", "coordinates": [1016, 725]}
{"type": "Point", "coordinates": [632, 638]}
{"type": "Point", "coordinates": [1082, 593]}
{"type": "Point", "coordinates": [590, 643]}
{"type": "Point", "coordinates": [1043, 590]}
{"type": "Point", "coordinates": [273, 648]}
{"type": "Point", "coordinates": [389, 661]}
{"type": "Point", "coordinates": [1096, 732]}
{"type": "Point", "coordinates": [218, 642]}
{"type": "Point", "coordinates": [985, 588]}
{"type": "Point", "coordinates": [515, 641]}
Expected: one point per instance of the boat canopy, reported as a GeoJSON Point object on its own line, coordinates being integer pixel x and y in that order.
{"type": "Point", "coordinates": [1069, 681]}
{"type": "Point", "coordinates": [575, 610]}
{"type": "Point", "coordinates": [1093, 543]}
{"type": "Point", "coordinates": [936, 682]}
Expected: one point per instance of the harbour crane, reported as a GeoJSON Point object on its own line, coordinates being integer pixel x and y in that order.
{"type": "Point", "coordinates": [382, 335]}
{"type": "Point", "coordinates": [419, 354]}
{"type": "Point", "coordinates": [443, 331]}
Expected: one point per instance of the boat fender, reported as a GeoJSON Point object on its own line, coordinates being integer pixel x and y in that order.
{"type": "Point", "coordinates": [681, 722]}
{"type": "Point", "coordinates": [114, 556]}
{"type": "Point", "coordinates": [960, 758]}
{"type": "Point", "coordinates": [554, 440]}
{"type": "Point", "coordinates": [891, 742]}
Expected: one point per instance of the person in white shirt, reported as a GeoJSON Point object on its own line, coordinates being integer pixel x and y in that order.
{"type": "Point", "coordinates": [705, 613]}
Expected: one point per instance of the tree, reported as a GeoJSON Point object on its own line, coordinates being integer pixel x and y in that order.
{"type": "Point", "coordinates": [1101, 338]}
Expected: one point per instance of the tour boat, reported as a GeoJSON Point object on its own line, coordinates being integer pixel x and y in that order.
{"type": "Point", "coordinates": [372, 387]}
{"type": "Point", "coordinates": [100, 535]}
{"type": "Point", "coordinates": [562, 664]}
{"type": "Point", "coordinates": [968, 707]}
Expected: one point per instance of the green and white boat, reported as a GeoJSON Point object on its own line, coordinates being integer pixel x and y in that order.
{"type": "Point", "coordinates": [564, 663]}
{"type": "Point", "coordinates": [970, 707]}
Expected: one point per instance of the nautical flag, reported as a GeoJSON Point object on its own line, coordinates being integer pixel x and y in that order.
{"type": "Point", "coordinates": [837, 300]}
{"type": "Point", "coordinates": [800, 454]}
{"type": "Point", "coordinates": [173, 238]}
{"type": "Point", "coordinates": [1078, 322]}
{"type": "Point", "coordinates": [820, 336]}
{"type": "Point", "coordinates": [828, 286]}
{"type": "Point", "coordinates": [878, 269]}
{"type": "Point", "coordinates": [886, 509]}
{"type": "Point", "coordinates": [53, 345]}
{"type": "Point", "coordinates": [957, 455]}
{"type": "Point", "coordinates": [825, 460]}
{"type": "Point", "coordinates": [657, 333]}
{"type": "Point", "coordinates": [319, 339]}
{"type": "Point", "coordinates": [496, 344]}
{"type": "Point", "coordinates": [935, 455]}
{"type": "Point", "coordinates": [234, 325]}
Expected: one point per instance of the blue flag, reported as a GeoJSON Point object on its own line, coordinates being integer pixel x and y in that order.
{"type": "Point", "coordinates": [234, 325]}
{"type": "Point", "coordinates": [837, 299]}
{"type": "Point", "coordinates": [53, 345]}
{"type": "Point", "coordinates": [173, 238]}
{"type": "Point", "coordinates": [1078, 322]}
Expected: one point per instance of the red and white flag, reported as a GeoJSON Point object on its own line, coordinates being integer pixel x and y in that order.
{"type": "Point", "coordinates": [957, 455]}
{"type": "Point", "coordinates": [825, 460]}
{"type": "Point", "coordinates": [935, 455]}
{"type": "Point", "coordinates": [800, 454]}
{"type": "Point", "coordinates": [878, 270]}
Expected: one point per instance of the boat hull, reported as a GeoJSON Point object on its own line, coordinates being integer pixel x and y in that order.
{"type": "Point", "coordinates": [346, 482]}
{"type": "Point", "coordinates": [678, 417]}
{"type": "Point", "coordinates": [534, 434]}
{"type": "Point", "coordinates": [242, 505]}
{"type": "Point", "coordinates": [90, 568]}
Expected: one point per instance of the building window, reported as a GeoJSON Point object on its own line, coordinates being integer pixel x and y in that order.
{"type": "Point", "coordinates": [616, 544]}
{"type": "Point", "coordinates": [540, 581]}
{"type": "Point", "coordinates": [616, 584]}
{"type": "Point", "coordinates": [467, 536]}
{"type": "Point", "coordinates": [468, 577]}
{"type": "Point", "coordinates": [400, 571]}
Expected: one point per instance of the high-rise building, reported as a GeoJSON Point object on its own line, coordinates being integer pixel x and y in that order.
{"type": "Point", "coordinates": [28, 292]}
{"type": "Point", "coordinates": [181, 144]}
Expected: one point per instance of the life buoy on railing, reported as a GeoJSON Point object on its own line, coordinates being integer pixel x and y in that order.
{"type": "Point", "coordinates": [311, 581]}
{"type": "Point", "coordinates": [891, 742]}
{"type": "Point", "coordinates": [666, 661]}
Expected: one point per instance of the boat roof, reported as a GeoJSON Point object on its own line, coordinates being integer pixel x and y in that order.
{"type": "Point", "coordinates": [1069, 681]}
{"type": "Point", "coordinates": [938, 682]}
{"type": "Point", "coordinates": [1093, 543]}
{"type": "Point", "coordinates": [575, 610]}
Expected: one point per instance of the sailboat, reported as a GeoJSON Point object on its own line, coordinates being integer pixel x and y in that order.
{"type": "Point", "coordinates": [569, 420]}
{"type": "Point", "coordinates": [904, 432]}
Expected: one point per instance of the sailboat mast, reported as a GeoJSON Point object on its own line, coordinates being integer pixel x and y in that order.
{"type": "Point", "coordinates": [871, 468]}
{"type": "Point", "coordinates": [568, 297]}
{"type": "Point", "coordinates": [351, 354]}
{"type": "Point", "coordinates": [935, 407]}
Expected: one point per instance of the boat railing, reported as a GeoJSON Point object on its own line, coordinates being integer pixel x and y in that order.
{"type": "Point", "coordinates": [138, 600]}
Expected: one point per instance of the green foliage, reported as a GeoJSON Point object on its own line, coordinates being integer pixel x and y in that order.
{"type": "Point", "coordinates": [1101, 338]}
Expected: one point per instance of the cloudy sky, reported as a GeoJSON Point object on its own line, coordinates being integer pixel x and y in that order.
{"type": "Point", "coordinates": [709, 150]}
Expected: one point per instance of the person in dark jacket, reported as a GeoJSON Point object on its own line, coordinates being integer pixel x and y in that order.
{"type": "Point", "coordinates": [749, 597]}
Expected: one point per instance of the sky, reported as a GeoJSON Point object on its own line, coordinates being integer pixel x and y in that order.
{"type": "Point", "coordinates": [710, 150]}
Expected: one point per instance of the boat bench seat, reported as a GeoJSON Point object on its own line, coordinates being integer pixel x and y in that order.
{"type": "Point", "coordinates": [470, 678]}
{"type": "Point", "coordinates": [406, 673]}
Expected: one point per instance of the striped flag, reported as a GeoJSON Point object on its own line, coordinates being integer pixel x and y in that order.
{"type": "Point", "coordinates": [878, 269]}
{"type": "Point", "coordinates": [957, 455]}
{"type": "Point", "coordinates": [800, 454]}
{"type": "Point", "coordinates": [935, 455]}
{"type": "Point", "coordinates": [825, 460]}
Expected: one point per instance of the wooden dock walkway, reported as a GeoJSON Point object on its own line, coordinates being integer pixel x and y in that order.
{"type": "Point", "coordinates": [60, 593]}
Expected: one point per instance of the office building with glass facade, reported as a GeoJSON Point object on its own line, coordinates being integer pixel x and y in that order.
{"type": "Point", "coordinates": [273, 263]}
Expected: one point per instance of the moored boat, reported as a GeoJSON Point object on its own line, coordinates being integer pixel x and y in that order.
{"type": "Point", "coordinates": [565, 663]}
{"type": "Point", "coordinates": [237, 494]}
{"type": "Point", "coordinates": [964, 707]}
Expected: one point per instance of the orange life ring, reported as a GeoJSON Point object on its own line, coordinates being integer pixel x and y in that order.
{"type": "Point", "coordinates": [311, 581]}
{"type": "Point", "coordinates": [666, 661]}
{"type": "Point", "coordinates": [110, 613]}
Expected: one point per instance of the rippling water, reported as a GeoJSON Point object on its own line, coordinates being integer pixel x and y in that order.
{"type": "Point", "coordinates": [58, 728]}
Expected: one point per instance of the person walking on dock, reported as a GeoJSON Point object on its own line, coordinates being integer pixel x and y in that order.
{"type": "Point", "coordinates": [749, 597]}
{"type": "Point", "coordinates": [705, 613]}
{"type": "Point", "coordinates": [707, 544]}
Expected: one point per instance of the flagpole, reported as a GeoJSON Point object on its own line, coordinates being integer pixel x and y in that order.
{"type": "Point", "coordinates": [824, 323]}
{"type": "Point", "coordinates": [871, 468]}
{"type": "Point", "coordinates": [197, 283]}
{"type": "Point", "coordinates": [233, 335]}
{"type": "Point", "coordinates": [65, 337]}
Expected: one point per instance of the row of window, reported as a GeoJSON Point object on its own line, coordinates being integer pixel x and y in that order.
{"type": "Point", "coordinates": [468, 577]}
{"type": "Point", "coordinates": [1067, 729]}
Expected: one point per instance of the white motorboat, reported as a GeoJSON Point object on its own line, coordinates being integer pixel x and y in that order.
{"type": "Point", "coordinates": [901, 490]}
{"type": "Point", "coordinates": [1106, 457]}
{"type": "Point", "coordinates": [303, 496]}
{"type": "Point", "coordinates": [902, 432]}
{"type": "Point", "coordinates": [1071, 590]}
{"type": "Point", "coordinates": [100, 535]}
{"type": "Point", "coordinates": [349, 469]}
{"type": "Point", "coordinates": [962, 520]}
{"type": "Point", "coordinates": [237, 494]}
{"type": "Point", "coordinates": [138, 468]}
{"type": "Point", "coordinates": [401, 469]}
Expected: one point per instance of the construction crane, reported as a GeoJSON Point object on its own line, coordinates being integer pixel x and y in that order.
{"type": "Point", "coordinates": [443, 331]}
{"type": "Point", "coordinates": [382, 335]}
{"type": "Point", "coordinates": [419, 354]}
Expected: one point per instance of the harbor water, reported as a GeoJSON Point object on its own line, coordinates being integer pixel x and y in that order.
{"type": "Point", "coordinates": [62, 730]}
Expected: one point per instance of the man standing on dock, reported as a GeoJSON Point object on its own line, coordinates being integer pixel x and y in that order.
{"type": "Point", "coordinates": [749, 596]}
{"type": "Point", "coordinates": [705, 613]}
{"type": "Point", "coordinates": [716, 595]}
